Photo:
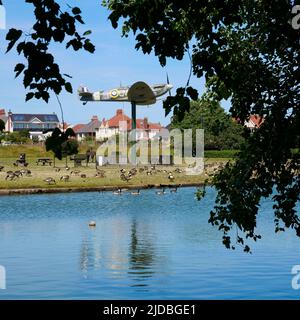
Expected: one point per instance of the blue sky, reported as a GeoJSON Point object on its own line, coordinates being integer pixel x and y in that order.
{"type": "Point", "coordinates": [115, 61]}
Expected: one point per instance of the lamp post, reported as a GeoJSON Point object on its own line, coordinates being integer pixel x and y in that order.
{"type": "Point", "coordinates": [133, 132]}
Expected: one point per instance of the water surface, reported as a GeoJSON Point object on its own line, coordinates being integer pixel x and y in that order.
{"type": "Point", "coordinates": [143, 247]}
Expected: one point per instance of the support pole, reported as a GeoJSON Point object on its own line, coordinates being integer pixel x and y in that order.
{"type": "Point", "coordinates": [133, 133]}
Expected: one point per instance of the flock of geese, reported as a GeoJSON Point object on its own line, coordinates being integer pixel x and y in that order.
{"type": "Point", "coordinates": [137, 192]}
{"type": "Point", "coordinates": [125, 175]}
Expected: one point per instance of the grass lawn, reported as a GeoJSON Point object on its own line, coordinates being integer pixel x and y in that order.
{"type": "Point", "coordinates": [9, 154]}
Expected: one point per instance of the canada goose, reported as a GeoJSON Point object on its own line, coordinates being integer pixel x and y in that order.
{"type": "Point", "coordinates": [83, 176]}
{"type": "Point", "coordinates": [118, 192]}
{"type": "Point", "coordinates": [171, 177]}
{"type": "Point", "coordinates": [65, 178]}
{"type": "Point", "coordinates": [75, 172]}
{"type": "Point", "coordinates": [136, 193]}
{"type": "Point", "coordinates": [11, 176]}
{"type": "Point", "coordinates": [18, 173]}
{"type": "Point", "coordinates": [1, 168]}
{"type": "Point", "coordinates": [26, 172]}
{"type": "Point", "coordinates": [49, 180]}
{"type": "Point", "coordinates": [161, 192]}
{"type": "Point", "coordinates": [57, 170]}
{"type": "Point", "coordinates": [67, 168]}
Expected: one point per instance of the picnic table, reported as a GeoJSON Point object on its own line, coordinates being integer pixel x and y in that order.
{"type": "Point", "coordinates": [44, 161]}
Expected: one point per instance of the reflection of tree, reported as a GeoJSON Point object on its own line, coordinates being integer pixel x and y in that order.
{"type": "Point", "coordinates": [141, 255]}
{"type": "Point", "coordinates": [84, 256]}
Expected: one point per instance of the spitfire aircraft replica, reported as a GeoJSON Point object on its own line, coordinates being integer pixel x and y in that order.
{"type": "Point", "coordinates": [140, 93]}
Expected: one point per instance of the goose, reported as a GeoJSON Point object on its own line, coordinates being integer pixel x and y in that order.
{"type": "Point", "coordinates": [136, 193]}
{"type": "Point", "coordinates": [49, 180]}
{"type": "Point", "coordinates": [161, 192]}
{"type": "Point", "coordinates": [171, 177]}
{"type": "Point", "coordinates": [65, 178]}
{"type": "Point", "coordinates": [118, 192]}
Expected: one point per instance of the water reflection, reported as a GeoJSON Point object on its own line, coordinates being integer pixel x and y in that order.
{"type": "Point", "coordinates": [141, 256]}
{"type": "Point", "coordinates": [123, 248]}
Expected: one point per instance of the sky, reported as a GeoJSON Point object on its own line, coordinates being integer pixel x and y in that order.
{"type": "Point", "coordinates": [115, 62]}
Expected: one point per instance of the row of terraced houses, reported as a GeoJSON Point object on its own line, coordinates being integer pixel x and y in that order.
{"type": "Point", "coordinates": [41, 125]}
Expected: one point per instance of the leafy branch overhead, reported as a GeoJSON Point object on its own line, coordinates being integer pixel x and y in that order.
{"type": "Point", "coordinates": [41, 73]}
{"type": "Point", "coordinates": [247, 51]}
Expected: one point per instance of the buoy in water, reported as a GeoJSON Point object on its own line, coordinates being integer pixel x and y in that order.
{"type": "Point", "coordinates": [92, 224]}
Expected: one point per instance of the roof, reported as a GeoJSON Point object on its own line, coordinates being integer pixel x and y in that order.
{"type": "Point", "coordinates": [22, 117]}
{"type": "Point", "coordinates": [88, 128]}
{"type": "Point", "coordinates": [253, 119]}
{"type": "Point", "coordinates": [120, 116]}
{"type": "Point", "coordinates": [256, 120]}
{"type": "Point", "coordinates": [3, 115]}
{"type": "Point", "coordinates": [115, 120]}
{"type": "Point", "coordinates": [77, 127]}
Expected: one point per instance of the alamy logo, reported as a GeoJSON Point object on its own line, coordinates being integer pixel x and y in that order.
{"type": "Point", "coordinates": [2, 278]}
{"type": "Point", "coordinates": [296, 17]}
{"type": "Point", "coordinates": [2, 18]}
{"type": "Point", "coordinates": [296, 278]}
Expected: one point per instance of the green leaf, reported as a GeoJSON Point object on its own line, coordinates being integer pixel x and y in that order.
{"type": "Point", "coordinates": [87, 33]}
{"type": "Point", "coordinates": [19, 68]}
{"type": "Point", "coordinates": [29, 96]}
{"type": "Point", "coordinates": [76, 11]}
{"type": "Point", "coordinates": [69, 87]}
{"type": "Point", "coordinates": [13, 36]}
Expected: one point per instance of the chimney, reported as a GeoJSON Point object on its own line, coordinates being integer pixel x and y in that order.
{"type": "Point", "coordinates": [119, 112]}
{"type": "Point", "coordinates": [146, 124]}
{"type": "Point", "coordinates": [2, 112]}
{"type": "Point", "coordinates": [94, 118]}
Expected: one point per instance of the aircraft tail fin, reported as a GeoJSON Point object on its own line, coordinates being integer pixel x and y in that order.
{"type": "Point", "coordinates": [84, 92]}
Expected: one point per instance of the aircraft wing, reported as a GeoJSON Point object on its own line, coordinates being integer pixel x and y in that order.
{"type": "Point", "coordinates": [141, 93]}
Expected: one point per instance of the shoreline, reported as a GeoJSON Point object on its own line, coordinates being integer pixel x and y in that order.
{"type": "Point", "coordinates": [31, 191]}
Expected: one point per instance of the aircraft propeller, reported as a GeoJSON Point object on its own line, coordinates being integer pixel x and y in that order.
{"type": "Point", "coordinates": [168, 82]}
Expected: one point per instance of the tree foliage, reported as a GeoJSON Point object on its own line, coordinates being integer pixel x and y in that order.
{"type": "Point", "coordinates": [221, 131]}
{"type": "Point", "coordinates": [59, 143]}
{"type": "Point", "coordinates": [41, 73]}
{"type": "Point", "coordinates": [2, 125]}
{"type": "Point", "coordinates": [249, 52]}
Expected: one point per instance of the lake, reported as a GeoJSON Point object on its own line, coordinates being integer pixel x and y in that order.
{"type": "Point", "coordinates": [143, 247]}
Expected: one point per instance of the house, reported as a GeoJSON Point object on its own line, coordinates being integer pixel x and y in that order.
{"type": "Point", "coordinates": [87, 131]}
{"type": "Point", "coordinates": [254, 122]}
{"type": "Point", "coordinates": [121, 122]}
{"type": "Point", "coordinates": [37, 124]}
